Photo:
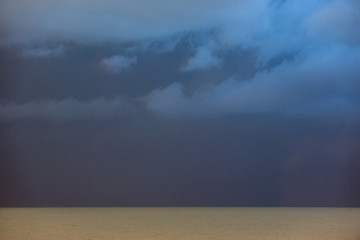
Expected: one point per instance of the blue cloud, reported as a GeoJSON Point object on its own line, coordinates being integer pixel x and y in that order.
{"type": "Point", "coordinates": [44, 52]}
{"type": "Point", "coordinates": [118, 63]}
{"type": "Point", "coordinates": [66, 109]}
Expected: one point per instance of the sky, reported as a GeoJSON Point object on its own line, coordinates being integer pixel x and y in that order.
{"type": "Point", "coordinates": [190, 103]}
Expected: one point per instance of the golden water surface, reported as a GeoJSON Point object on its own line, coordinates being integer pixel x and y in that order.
{"type": "Point", "coordinates": [179, 223]}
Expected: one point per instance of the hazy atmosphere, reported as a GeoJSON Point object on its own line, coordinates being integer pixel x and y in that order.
{"type": "Point", "coordinates": [188, 103]}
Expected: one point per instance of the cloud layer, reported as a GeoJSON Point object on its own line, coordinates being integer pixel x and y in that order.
{"type": "Point", "coordinates": [337, 20]}
{"type": "Point", "coordinates": [256, 23]}
{"type": "Point", "coordinates": [44, 52]}
{"type": "Point", "coordinates": [118, 63]}
{"type": "Point", "coordinates": [324, 82]}
{"type": "Point", "coordinates": [320, 76]}
{"type": "Point", "coordinates": [108, 20]}
{"type": "Point", "coordinates": [66, 110]}
{"type": "Point", "coordinates": [315, 44]}
{"type": "Point", "coordinates": [202, 60]}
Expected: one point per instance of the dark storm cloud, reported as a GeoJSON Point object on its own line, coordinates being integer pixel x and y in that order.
{"type": "Point", "coordinates": [321, 78]}
{"type": "Point", "coordinates": [44, 52]}
{"type": "Point", "coordinates": [326, 80]}
{"type": "Point", "coordinates": [238, 161]}
{"type": "Point", "coordinates": [320, 37]}
{"type": "Point", "coordinates": [67, 109]}
{"type": "Point", "coordinates": [239, 83]}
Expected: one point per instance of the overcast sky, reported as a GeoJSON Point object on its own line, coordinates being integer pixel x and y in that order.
{"type": "Point", "coordinates": [233, 103]}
